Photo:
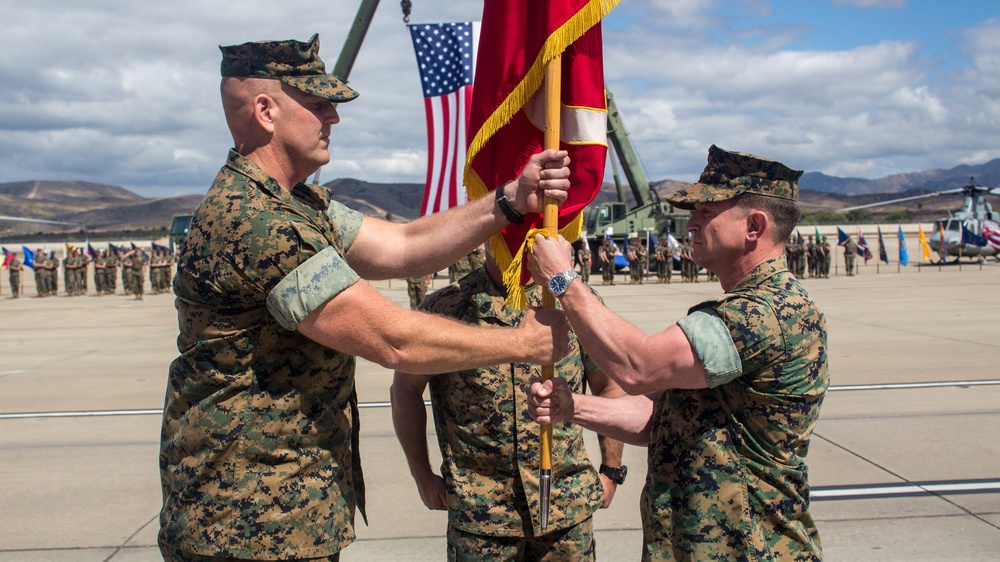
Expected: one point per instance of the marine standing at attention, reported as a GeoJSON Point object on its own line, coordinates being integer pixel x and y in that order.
{"type": "Point", "coordinates": [489, 445]}
{"type": "Point", "coordinates": [259, 450]}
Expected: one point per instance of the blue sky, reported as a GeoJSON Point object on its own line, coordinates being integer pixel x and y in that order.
{"type": "Point", "coordinates": [126, 93]}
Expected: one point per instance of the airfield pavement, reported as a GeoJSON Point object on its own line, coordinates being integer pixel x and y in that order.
{"type": "Point", "coordinates": [904, 463]}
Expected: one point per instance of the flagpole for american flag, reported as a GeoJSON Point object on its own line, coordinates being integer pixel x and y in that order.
{"type": "Point", "coordinates": [550, 222]}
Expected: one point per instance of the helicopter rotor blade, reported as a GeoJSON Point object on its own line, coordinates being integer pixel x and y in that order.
{"type": "Point", "coordinates": [44, 221]}
{"type": "Point", "coordinates": [903, 199]}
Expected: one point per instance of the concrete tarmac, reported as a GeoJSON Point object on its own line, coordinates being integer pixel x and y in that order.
{"type": "Point", "coordinates": [903, 463]}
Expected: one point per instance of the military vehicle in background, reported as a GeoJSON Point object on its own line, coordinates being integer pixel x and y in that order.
{"type": "Point", "coordinates": [178, 231]}
{"type": "Point", "coordinates": [972, 232]}
{"type": "Point", "coordinates": [614, 218]}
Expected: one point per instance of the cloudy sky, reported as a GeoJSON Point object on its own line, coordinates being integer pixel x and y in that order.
{"type": "Point", "coordinates": [126, 93]}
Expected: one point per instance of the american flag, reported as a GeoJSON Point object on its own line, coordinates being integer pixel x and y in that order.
{"type": "Point", "coordinates": [992, 235]}
{"type": "Point", "coordinates": [446, 53]}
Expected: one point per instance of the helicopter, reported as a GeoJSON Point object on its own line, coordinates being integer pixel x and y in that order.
{"type": "Point", "coordinates": [972, 232]}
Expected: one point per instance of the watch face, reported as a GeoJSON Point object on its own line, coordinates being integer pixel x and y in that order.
{"type": "Point", "coordinates": [557, 284]}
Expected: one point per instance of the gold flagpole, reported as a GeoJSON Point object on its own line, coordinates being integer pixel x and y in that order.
{"type": "Point", "coordinates": [550, 222]}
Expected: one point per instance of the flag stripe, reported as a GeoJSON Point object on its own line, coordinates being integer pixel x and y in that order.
{"type": "Point", "coordinates": [445, 57]}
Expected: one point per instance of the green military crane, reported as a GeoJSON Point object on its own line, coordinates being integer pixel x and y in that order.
{"type": "Point", "coordinates": [615, 218]}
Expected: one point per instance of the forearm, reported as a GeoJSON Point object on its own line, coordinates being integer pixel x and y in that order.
{"type": "Point", "coordinates": [409, 420]}
{"type": "Point", "coordinates": [622, 420]}
{"type": "Point", "coordinates": [429, 244]}
{"type": "Point", "coordinates": [431, 344]}
{"type": "Point", "coordinates": [359, 321]}
{"type": "Point", "coordinates": [611, 341]}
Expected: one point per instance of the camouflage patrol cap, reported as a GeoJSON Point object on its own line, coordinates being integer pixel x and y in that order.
{"type": "Point", "coordinates": [729, 174]}
{"type": "Point", "coordinates": [293, 62]}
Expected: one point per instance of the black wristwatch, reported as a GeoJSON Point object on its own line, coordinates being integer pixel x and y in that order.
{"type": "Point", "coordinates": [508, 209]}
{"type": "Point", "coordinates": [615, 474]}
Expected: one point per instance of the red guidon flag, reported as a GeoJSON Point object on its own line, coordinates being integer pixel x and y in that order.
{"type": "Point", "coordinates": [506, 126]}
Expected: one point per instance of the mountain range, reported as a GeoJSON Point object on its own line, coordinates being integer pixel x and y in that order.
{"type": "Point", "coordinates": [106, 208]}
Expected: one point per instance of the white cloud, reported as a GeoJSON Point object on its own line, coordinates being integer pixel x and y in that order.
{"type": "Point", "coordinates": [126, 93]}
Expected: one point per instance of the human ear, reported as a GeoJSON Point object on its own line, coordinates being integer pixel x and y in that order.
{"type": "Point", "coordinates": [264, 112]}
{"type": "Point", "coordinates": [757, 225]}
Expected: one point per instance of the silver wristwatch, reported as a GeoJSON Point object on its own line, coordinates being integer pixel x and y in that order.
{"type": "Point", "coordinates": [559, 282]}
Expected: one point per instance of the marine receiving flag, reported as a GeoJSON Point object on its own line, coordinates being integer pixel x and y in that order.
{"type": "Point", "coordinates": [506, 126]}
{"type": "Point", "coordinates": [446, 53]}
{"type": "Point", "coordinates": [904, 252]}
{"type": "Point", "coordinates": [925, 248]}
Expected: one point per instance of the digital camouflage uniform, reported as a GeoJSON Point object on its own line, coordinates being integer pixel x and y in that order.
{"type": "Point", "coordinates": [259, 448]}
{"type": "Point", "coordinates": [727, 478]}
{"type": "Point", "coordinates": [15, 277]}
{"type": "Point", "coordinates": [826, 258]}
{"type": "Point", "coordinates": [850, 251]}
{"type": "Point", "coordinates": [416, 288]}
{"type": "Point", "coordinates": [584, 260]}
{"type": "Point", "coordinates": [490, 445]}
{"type": "Point", "coordinates": [462, 267]}
{"type": "Point", "coordinates": [607, 255]}
{"type": "Point", "coordinates": [636, 261]}
{"type": "Point", "coordinates": [664, 260]}
{"type": "Point", "coordinates": [138, 274]}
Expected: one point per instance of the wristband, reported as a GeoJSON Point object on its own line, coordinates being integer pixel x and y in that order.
{"type": "Point", "coordinates": [508, 210]}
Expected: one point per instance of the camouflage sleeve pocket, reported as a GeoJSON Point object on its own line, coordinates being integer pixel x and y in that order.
{"type": "Point", "coordinates": [712, 342]}
{"type": "Point", "coordinates": [317, 280]}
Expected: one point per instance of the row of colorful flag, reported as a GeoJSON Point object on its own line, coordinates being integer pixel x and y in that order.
{"type": "Point", "coordinates": [904, 253]}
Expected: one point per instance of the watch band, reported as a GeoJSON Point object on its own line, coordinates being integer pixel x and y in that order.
{"type": "Point", "coordinates": [615, 474]}
{"type": "Point", "coordinates": [508, 209]}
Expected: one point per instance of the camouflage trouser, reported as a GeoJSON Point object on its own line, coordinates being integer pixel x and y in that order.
{"type": "Point", "coordinates": [15, 284]}
{"type": "Point", "coordinates": [663, 270]}
{"type": "Point", "coordinates": [574, 544]}
{"type": "Point", "coordinates": [849, 264]}
{"type": "Point", "coordinates": [608, 273]}
{"type": "Point", "coordinates": [417, 292]}
{"type": "Point", "coordinates": [170, 555]}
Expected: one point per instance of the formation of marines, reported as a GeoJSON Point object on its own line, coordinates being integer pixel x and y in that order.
{"type": "Point", "coordinates": [812, 256]}
{"type": "Point", "coordinates": [76, 265]}
{"type": "Point", "coordinates": [636, 259]}
{"type": "Point", "coordinates": [46, 268]}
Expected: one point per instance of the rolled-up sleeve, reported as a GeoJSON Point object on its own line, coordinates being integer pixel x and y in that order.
{"type": "Point", "coordinates": [348, 222]}
{"type": "Point", "coordinates": [317, 280]}
{"type": "Point", "coordinates": [712, 342]}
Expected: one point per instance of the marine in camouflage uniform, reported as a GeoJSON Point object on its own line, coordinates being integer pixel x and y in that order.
{"type": "Point", "coordinates": [138, 266]}
{"type": "Point", "coordinates": [607, 255]}
{"type": "Point", "coordinates": [15, 268]}
{"type": "Point", "coordinates": [416, 289]}
{"type": "Point", "coordinates": [259, 453]}
{"type": "Point", "coordinates": [850, 252]}
{"type": "Point", "coordinates": [825, 257]}
{"type": "Point", "coordinates": [584, 260]}
{"type": "Point", "coordinates": [636, 260]}
{"type": "Point", "coordinates": [461, 268]}
{"type": "Point", "coordinates": [735, 391]}
{"type": "Point", "coordinates": [664, 260]}
{"type": "Point", "coordinates": [99, 272]}
{"type": "Point", "coordinates": [489, 444]}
